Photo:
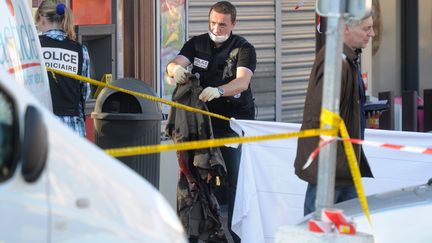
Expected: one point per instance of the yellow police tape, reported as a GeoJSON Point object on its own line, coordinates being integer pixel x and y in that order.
{"type": "Point", "coordinates": [335, 121]}
{"type": "Point", "coordinates": [145, 96]}
{"type": "Point", "coordinates": [327, 118]}
{"type": "Point", "coordinates": [120, 152]}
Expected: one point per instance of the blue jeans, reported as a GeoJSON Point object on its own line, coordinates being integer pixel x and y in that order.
{"type": "Point", "coordinates": [342, 193]}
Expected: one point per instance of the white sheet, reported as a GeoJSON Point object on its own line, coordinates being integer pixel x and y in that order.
{"type": "Point", "coordinates": [270, 195]}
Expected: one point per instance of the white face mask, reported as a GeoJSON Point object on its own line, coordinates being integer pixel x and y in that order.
{"type": "Point", "coordinates": [218, 39]}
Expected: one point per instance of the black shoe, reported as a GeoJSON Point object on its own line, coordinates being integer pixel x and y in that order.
{"type": "Point", "coordinates": [193, 240]}
{"type": "Point", "coordinates": [217, 237]}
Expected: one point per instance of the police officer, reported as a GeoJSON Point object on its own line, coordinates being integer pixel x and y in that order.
{"type": "Point", "coordinates": [225, 63]}
{"type": "Point", "coordinates": [60, 51]}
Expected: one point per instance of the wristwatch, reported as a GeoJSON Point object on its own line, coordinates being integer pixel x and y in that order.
{"type": "Point", "coordinates": [221, 91]}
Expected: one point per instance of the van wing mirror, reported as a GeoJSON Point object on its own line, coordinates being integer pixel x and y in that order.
{"type": "Point", "coordinates": [35, 145]}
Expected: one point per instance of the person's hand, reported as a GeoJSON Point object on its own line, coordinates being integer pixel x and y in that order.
{"type": "Point", "coordinates": [180, 76]}
{"type": "Point", "coordinates": [209, 93]}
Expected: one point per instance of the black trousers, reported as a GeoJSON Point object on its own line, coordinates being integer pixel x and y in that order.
{"type": "Point", "coordinates": [232, 161]}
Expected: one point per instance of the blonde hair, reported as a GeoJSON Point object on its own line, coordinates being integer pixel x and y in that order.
{"type": "Point", "coordinates": [49, 9]}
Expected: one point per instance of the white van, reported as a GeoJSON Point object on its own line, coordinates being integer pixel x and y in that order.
{"type": "Point", "coordinates": [20, 53]}
{"type": "Point", "coordinates": [54, 185]}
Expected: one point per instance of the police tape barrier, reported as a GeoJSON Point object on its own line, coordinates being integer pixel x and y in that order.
{"type": "Point", "coordinates": [145, 96]}
{"type": "Point", "coordinates": [327, 118]}
{"type": "Point", "coordinates": [121, 152]}
{"type": "Point", "coordinates": [335, 121]}
{"type": "Point", "coordinates": [355, 171]}
{"type": "Point", "coordinates": [410, 149]}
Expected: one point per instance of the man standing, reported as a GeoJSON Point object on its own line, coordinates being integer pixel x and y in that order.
{"type": "Point", "coordinates": [225, 64]}
{"type": "Point", "coordinates": [356, 35]}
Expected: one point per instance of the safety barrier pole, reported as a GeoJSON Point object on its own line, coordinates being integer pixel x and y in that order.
{"type": "Point", "coordinates": [386, 119]}
{"type": "Point", "coordinates": [427, 110]}
{"type": "Point", "coordinates": [409, 111]}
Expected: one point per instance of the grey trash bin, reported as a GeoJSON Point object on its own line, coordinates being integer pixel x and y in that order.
{"type": "Point", "coordinates": [122, 120]}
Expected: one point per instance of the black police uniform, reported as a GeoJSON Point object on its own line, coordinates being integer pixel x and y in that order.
{"type": "Point", "coordinates": [217, 66]}
{"type": "Point", "coordinates": [65, 56]}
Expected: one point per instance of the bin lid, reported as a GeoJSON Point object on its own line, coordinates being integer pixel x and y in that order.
{"type": "Point", "coordinates": [114, 105]}
{"type": "Point", "coordinates": [126, 116]}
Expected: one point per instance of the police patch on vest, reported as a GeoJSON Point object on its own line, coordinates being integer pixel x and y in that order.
{"type": "Point", "coordinates": [200, 63]}
{"type": "Point", "coordinates": [61, 59]}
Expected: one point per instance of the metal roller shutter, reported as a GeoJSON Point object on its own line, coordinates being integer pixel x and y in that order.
{"type": "Point", "coordinates": [298, 54]}
{"type": "Point", "coordinates": [284, 39]}
{"type": "Point", "coordinates": [256, 23]}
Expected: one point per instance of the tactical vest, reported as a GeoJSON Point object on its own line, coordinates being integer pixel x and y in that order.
{"type": "Point", "coordinates": [218, 66]}
{"type": "Point", "coordinates": [65, 56]}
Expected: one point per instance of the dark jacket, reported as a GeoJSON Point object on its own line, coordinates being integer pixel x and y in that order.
{"type": "Point", "coordinates": [187, 126]}
{"type": "Point", "coordinates": [197, 206]}
{"type": "Point", "coordinates": [349, 111]}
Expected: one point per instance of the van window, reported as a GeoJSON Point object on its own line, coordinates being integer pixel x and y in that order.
{"type": "Point", "coordinates": [7, 136]}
